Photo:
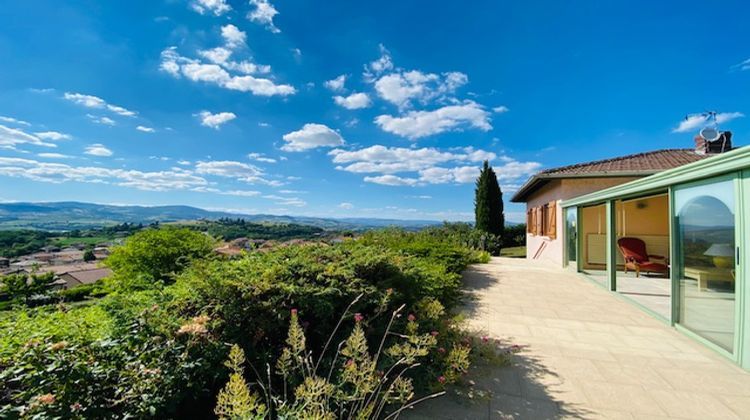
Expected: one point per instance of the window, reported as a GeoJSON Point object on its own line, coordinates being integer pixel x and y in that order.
{"type": "Point", "coordinates": [542, 220]}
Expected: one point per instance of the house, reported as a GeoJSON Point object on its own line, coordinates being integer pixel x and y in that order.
{"type": "Point", "coordinates": [674, 243]}
{"type": "Point", "coordinates": [86, 276]}
{"type": "Point", "coordinates": [544, 191]}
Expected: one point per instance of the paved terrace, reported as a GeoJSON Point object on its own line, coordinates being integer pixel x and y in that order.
{"type": "Point", "coordinates": [586, 354]}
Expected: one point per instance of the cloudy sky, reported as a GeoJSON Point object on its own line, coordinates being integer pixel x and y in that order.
{"type": "Point", "coordinates": [341, 108]}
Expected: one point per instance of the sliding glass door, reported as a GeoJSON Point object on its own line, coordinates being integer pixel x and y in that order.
{"type": "Point", "coordinates": [706, 224]}
{"type": "Point", "coordinates": [571, 236]}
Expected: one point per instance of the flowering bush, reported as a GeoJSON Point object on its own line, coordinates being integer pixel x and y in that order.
{"type": "Point", "coordinates": [352, 384]}
{"type": "Point", "coordinates": [156, 349]}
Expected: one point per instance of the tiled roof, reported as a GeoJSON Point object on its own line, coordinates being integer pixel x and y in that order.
{"type": "Point", "coordinates": [648, 162]}
{"type": "Point", "coordinates": [640, 164]}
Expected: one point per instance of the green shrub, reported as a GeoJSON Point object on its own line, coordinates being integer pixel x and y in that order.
{"type": "Point", "coordinates": [145, 351]}
{"type": "Point", "coordinates": [156, 255]}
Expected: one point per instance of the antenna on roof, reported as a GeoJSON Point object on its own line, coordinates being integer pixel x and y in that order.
{"type": "Point", "coordinates": [708, 137]}
{"type": "Point", "coordinates": [710, 132]}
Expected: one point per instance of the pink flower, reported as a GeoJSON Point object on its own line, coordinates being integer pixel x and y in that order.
{"type": "Point", "coordinates": [434, 333]}
{"type": "Point", "coordinates": [349, 362]}
{"type": "Point", "coordinates": [358, 317]}
{"type": "Point", "coordinates": [441, 350]}
{"type": "Point", "coordinates": [441, 379]}
{"type": "Point", "coordinates": [485, 339]}
{"type": "Point", "coordinates": [294, 311]}
{"type": "Point", "coordinates": [412, 318]}
{"type": "Point", "coordinates": [76, 406]}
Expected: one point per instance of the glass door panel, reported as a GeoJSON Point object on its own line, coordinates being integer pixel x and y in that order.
{"type": "Point", "coordinates": [705, 223]}
{"type": "Point", "coordinates": [593, 233]}
{"type": "Point", "coordinates": [571, 234]}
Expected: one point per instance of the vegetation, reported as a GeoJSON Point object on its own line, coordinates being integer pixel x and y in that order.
{"type": "Point", "coordinates": [157, 255]}
{"type": "Point", "coordinates": [25, 288]}
{"type": "Point", "coordinates": [155, 346]}
{"type": "Point", "coordinates": [488, 202]}
{"type": "Point", "coordinates": [229, 229]}
{"type": "Point", "coordinates": [14, 243]}
{"type": "Point", "coordinates": [514, 252]}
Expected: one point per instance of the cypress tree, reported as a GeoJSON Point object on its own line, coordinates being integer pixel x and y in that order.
{"type": "Point", "coordinates": [488, 202]}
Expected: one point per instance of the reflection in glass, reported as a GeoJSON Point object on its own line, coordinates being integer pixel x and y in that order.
{"type": "Point", "coordinates": [705, 224]}
{"type": "Point", "coordinates": [571, 233]}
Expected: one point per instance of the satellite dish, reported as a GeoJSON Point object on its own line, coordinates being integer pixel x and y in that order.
{"type": "Point", "coordinates": [710, 134]}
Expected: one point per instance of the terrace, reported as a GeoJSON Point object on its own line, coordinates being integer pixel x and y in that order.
{"type": "Point", "coordinates": [586, 353]}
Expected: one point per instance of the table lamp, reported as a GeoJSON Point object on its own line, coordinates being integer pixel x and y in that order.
{"type": "Point", "coordinates": [723, 255]}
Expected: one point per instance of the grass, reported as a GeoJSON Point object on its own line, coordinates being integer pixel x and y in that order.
{"type": "Point", "coordinates": [514, 252]}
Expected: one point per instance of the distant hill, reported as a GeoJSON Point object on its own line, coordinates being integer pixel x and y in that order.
{"type": "Point", "coordinates": [62, 216]}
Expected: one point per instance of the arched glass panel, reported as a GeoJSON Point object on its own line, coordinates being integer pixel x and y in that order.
{"type": "Point", "coordinates": [705, 221]}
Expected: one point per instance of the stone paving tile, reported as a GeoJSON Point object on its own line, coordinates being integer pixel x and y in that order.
{"type": "Point", "coordinates": [586, 353]}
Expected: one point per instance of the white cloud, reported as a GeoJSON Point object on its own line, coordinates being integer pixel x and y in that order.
{"type": "Point", "coordinates": [336, 84]}
{"type": "Point", "coordinates": [286, 201]}
{"type": "Point", "coordinates": [260, 157]}
{"type": "Point", "coordinates": [218, 55]}
{"type": "Point", "coordinates": [428, 165]}
{"type": "Point", "coordinates": [91, 101]}
{"type": "Point", "coordinates": [392, 180]}
{"type": "Point", "coordinates": [145, 129]}
{"type": "Point", "coordinates": [218, 72]}
{"type": "Point", "coordinates": [263, 14]}
{"type": "Point", "coordinates": [54, 156]}
{"type": "Point", "coordinates": [745, 65]}
{"type": "Point", "coordinates": [184, 162]}
{"type": "Point", "coordinates": [353, 101]}
{"type": "Point", "coordinates": [416, 124]}
{"type": "Point", "coordinates": [458, 175]}
{"type": "Point", "coordinates": [237, 170]}
{"type": "Point", "coordinates": [98, 150]}
{"type": "Point", "coordinates": [59, 173]}
{"type": "Point", "coordinates": [101, 120]}
{"type": "Point", "coordinates": [694, 122]}
{"type": "Point", "coordinates": [346, 206]}
{"type": "Point", "coordinates": [311, 136]}
{"type": "Point", "coordinates": [12, 120]}
{"type": "Point", "coordinates": [217, 7]}
{"type": "Point", "coordinates": [215, 120]}
{"type": "Point", "coordinates": [389, 160]}
{"type": "Point", "coordinates": [500, 109]}
{"type": "Point", "coordinates": [241, 193]}
{"type": "Point", "coordinates": [379, 66]}
{"type": "Point", "coordinates": [53, 135]}
{"type": "Point", "coordinates": [10, 137]}
{"type": "Point", "coordinates": [233, 36]}
{"type": "Point", "coordinates": [402, 87]}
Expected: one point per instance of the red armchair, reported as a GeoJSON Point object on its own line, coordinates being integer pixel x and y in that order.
{"type": "Point", "coordinates": [637, 259]}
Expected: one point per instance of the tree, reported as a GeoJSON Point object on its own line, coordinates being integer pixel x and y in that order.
{"type": "Point", "coordinates": [89, 256]}
{"type": "Point", "coordinates": [154, 255]}
{"type": "Point", "coordinates": [21, 287]}
{"type": "Point", "coordinates": [488, 202]}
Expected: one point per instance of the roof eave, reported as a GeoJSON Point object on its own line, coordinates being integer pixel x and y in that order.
{"type": "Point", "coordinates": [536, 181]}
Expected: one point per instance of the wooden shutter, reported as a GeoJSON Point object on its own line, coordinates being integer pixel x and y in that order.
{"type": "Point", "coordinates": [529, 221]}
{"type": "Point", "coordinates": [539, 221]}
{"type": "Point", "coordinates": [552, 220]}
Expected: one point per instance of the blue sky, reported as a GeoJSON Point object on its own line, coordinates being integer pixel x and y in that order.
{"type": "Point", "coordinates": [372, 109]}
